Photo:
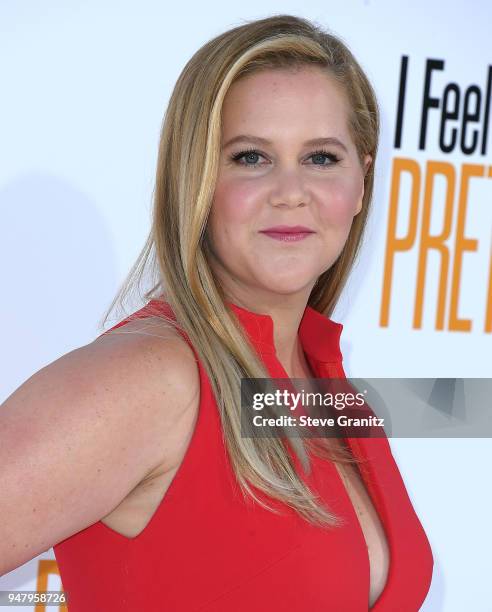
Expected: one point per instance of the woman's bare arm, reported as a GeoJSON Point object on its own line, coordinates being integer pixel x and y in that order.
{"type": "Point", "coordinates": [82, 432]}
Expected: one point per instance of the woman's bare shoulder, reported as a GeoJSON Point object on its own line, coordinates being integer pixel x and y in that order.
{"type": "Point", "coordinates": [148, 335]}
{"type": "Point", "coordinates": [162, 360]}
{"type": "Point", "coordinates": [153, 343]}
{"type": "Point", "coordinates": [97, 420]}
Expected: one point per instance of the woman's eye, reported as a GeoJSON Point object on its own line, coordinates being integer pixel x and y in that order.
{"type": "Point", "coordinates": [319, 155]}
{"type": "Point", "coordinates": [250, 158]}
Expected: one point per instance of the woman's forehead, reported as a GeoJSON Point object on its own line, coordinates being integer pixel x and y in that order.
{"type": "Point", "coordinates": [283, 104]}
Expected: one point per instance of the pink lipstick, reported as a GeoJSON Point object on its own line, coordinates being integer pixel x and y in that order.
{"type": "Point", "coordinates": [288, 233]}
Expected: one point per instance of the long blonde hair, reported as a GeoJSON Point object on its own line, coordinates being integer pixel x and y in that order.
{"type": "Point", "coordinates": [176, 250]}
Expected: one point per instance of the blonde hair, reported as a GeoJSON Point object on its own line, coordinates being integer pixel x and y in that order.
{"type": "Point", "coordinates": [176, 249]}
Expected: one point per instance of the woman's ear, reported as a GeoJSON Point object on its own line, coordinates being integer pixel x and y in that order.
{"type": "Point", "coordinates": [367, 164]}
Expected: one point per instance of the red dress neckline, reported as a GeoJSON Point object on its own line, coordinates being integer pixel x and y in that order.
{"type": "Point", "coordinates": [320, 339]}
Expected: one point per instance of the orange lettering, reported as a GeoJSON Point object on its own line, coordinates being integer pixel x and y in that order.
{"type": "Point", "coordinates": [434, 242]}
{"type": "Point", "coordinates": [394, 244]}
{"type": "Point", "coordinates": [462, 244]}
{"type": "Point", "coordinates": [45, 568]}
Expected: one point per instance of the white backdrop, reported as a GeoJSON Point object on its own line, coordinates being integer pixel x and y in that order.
{"type": "Point", "coordinates": [84, 89]}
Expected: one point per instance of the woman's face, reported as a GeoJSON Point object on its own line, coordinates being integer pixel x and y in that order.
{"type": "Point", "coordinates": [271, 175]}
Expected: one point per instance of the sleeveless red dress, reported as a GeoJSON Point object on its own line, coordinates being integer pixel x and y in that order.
{"type": "Point", "coordinates": [208, 549]}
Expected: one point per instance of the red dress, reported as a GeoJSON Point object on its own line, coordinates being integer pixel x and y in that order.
{"type": "Point", "coordinates": [207, 549]}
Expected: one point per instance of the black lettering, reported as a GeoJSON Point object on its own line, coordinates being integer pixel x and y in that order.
{"type": "Point", "coordinates": [469, 117]}
{"type": "Point", "coordinates": [401, 100]}
{"type": "Point", "coordinates": [427, 101]}
{"type": "Point", "coordinates": [447, 114]}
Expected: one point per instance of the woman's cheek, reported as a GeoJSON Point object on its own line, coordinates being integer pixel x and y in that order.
{"type": "Point", "coordinates": [340, 203]}
{"type": "Point", "coordinates": [234, 202]}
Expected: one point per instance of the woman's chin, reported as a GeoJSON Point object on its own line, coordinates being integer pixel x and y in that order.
{"type": "Point", "coordinates": [288, 286]}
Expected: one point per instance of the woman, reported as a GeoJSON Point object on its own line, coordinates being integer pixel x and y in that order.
{"type": "Point", "coordinates": [147, 491]}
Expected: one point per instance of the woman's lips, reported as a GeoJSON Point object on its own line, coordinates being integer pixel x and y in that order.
{"type": "Point", "coordinates": [287, 236]}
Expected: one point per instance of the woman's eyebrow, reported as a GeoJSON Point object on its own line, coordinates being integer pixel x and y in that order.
{"type": "Point", "coordinates": [314, 142]}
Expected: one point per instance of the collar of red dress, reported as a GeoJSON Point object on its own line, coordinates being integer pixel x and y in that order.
{"type": "Point", "coordinates": [319, 335]}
